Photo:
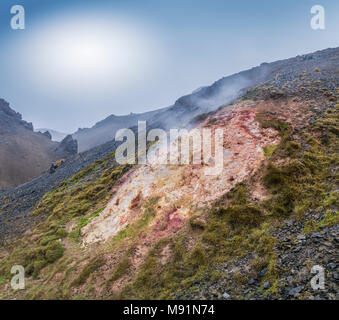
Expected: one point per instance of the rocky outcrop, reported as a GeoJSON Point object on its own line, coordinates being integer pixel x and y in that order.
{"type": "Point", "coordinates": [7, 111]}
{"type": "Point", "coordinates": [68, 145]}
{"type": "Point", "coordinates": [48, 135]}
{"type": "Point", "coordinates": [56, 135]}
{"type": "Point", "coordinates": [297, 253]}
{"type": "Point", "coordinates": [25, 154]}
{"type": "Point", "coordinates": [10, 120]}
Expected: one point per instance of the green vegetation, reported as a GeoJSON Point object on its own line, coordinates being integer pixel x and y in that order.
{"type": "Point", "coordinates": [2, 280]}
{"type": "Point", "coordinates": [121, 267]}
{"type": "Point", "coordinates": [331, 218]}
{"type": "Point", "coordinates": [75, 234]}
{"type": "Point", "coordinates": [197, 223]}
{"type": "Point", "coordinates": [269, 151]}
{"type": "Point", "coordinates": [72, 199]}
{"type": "Point", "coordinates": [240, 215]}
{"type": "Point", "coordinates": [235, 226]}
{"type": "Point", "coordinates": [299, 176]}
{"type": "Point", "coordinates": [269, 122]}
{"type": "Point", "coordinates": [227, 235]}
{"type": "Point", "coordinates": [36, 259]}
{"type": "Point", "coordinates": [90, 267]}
{"type": "Point", "coordinates": [83, 191]}
{"type": "Point", "coordinates": [133, 229]}
{"type": "Point", "coordinates": [309, 172]}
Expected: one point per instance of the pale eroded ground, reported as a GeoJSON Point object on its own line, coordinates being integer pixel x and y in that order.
{"type": "Point", "coordinates": [180, 186]}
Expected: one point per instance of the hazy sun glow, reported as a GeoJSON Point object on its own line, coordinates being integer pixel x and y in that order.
{"type": "Point", "coordinates": [86, 53]}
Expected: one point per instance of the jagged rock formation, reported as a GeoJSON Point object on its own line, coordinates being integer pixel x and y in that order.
{"type": "Point", "coordinates": [152, 231]}
{"type": "Point", "coordinates": [68, 145]}
{"type": "Point", "coordinates": [25, 154]}
{"type": "Point", "coordinates": [10, 120]}
{"type": "Point", "coordinates": [47, 134]}
{"type": "Point", "coordinates": [56, 135]}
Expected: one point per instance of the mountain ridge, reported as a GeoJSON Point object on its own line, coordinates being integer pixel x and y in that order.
{"type": "Point", "coordinates": [95, 228]}
{"type": "Point", "coordinates": [24, 154]}
{"type": "Point", "coordinates": [55, 135]}
{"type": "Point", "coordinates": [202, 100]}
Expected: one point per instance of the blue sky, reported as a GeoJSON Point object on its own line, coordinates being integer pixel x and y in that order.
{"type": "Point", "coordinates": [160, 50]}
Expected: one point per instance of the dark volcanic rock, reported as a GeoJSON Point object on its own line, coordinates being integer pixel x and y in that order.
{"type": "Point", "coordinates": [9, 119]}
{"type": "Point", "coordinates": [69, 145]}
{"type": "Point", "coordinates": [48, 135]}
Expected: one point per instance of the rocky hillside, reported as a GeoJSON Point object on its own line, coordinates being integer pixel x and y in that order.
{"type": "Point", "coordinates": [24, 154]}
{"type": "Point", "coordinates": [56, 135]}
{"type": "Point", "coordinates": [203, 100]}
{"type": "Point", "coordinates": [105, 130]}
{"type": "Point", "coordinates": [253, 231]}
